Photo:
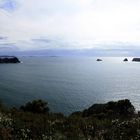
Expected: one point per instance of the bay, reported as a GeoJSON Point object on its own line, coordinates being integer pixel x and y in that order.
{"type": "Point", "coordinates": [70, 83]}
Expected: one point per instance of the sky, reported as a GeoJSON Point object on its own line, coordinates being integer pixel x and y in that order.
{"type": "Point", "coordinates": [69, 24]}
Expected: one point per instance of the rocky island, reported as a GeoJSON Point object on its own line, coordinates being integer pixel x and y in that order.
{"type": "Point", "coordinates": [136, 59]}
{"type": "Point", "coordinates": [99, 59]}
{"type": "Point", "coordinates": [125, 60]}
{"type": "Point", "coordinates": [9, 59]}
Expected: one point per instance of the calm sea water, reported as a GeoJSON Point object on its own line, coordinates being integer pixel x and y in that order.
{"type": "Point", "coordinates": [69, 84]}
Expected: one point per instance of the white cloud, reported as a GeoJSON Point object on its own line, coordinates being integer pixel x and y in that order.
{"type": "Point", "coordinates": [85, 21]}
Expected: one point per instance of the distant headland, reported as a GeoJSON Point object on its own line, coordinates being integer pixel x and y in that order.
{"type": "Point", "coordinates": [9, 59]}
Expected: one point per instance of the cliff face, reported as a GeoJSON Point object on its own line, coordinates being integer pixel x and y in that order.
{"type": "Point", "coordinates": [9, 59]}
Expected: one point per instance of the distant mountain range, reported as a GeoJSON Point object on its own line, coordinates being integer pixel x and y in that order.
{"type": "Point", "coordinates": [73, 52]}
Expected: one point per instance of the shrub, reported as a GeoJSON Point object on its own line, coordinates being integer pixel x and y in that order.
{"type": "Point", "coordinates": [36, 106]}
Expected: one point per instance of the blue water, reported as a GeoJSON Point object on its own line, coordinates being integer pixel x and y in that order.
{"type": "Point", "coordinates": [69, 84]}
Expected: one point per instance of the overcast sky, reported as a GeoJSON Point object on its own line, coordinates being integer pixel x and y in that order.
{"type": "Point", "coordinates": [42, 24]}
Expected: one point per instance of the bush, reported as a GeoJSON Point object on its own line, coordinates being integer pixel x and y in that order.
{"type": "Point", "coordinates": [36, 106]}
{"type": "Point", "coordinates": [33, 121]}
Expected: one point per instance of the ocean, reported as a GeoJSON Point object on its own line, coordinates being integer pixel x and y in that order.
{"type": "Point", "coordinates": [70, 84]}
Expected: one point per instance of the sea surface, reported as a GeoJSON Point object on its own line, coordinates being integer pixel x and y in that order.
{"type": "Point", "coordinates": [69, 83]}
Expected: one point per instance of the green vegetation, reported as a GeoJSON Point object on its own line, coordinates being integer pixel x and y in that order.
{"type": "Point", "coordinates": [36, 106]}
{"type": "Point", "coordinates": [33, 121]}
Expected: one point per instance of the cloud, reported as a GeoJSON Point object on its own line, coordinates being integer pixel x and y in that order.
{"type": "Point", "coordinates": [70, 23]}
{"type": "Point", "coordinates": [8, 47]}
{"type": "Point", "coordinates": [43, 40]}
{"type": "Point", "coordinates": [2, 38]}
{"type": "Point", "coordinates": [8, 5]}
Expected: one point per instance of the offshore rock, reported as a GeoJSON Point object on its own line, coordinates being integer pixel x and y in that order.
{"type": "Point", "coordinates": [9, 59]}
{"type": "Point", "coordinates": [136, 59]}
{"type": "Point", "coordinates": [125, 60]}
{"type": "Point", "coordinates": [99, 60]}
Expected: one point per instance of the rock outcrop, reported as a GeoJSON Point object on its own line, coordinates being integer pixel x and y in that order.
{"type": "Point", "coordinates": [99, 59]}
{"type": "Point", "coordinates": [110, 109]}
{"type": "Point", "coordinates": [125, 60]}
{"type": "Point", "coordinates": [136, 59]}
{"type": "Point", "coordinates": [9, 59]}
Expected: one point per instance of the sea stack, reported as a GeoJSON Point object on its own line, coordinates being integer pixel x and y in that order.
{"type": "Point", "coordinates": [9, 59]}
{"type": "Point", "coordinates": [125, 60]}
{"type": "Point", "coordinates": [99, 59]}
{"type": "Point", "coordinates": [136, 59]}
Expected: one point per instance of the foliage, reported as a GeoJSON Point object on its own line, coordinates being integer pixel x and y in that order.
{"type": "Point", "coordinates": [36, 106]}
{"type": "Point", "coordinates": [34, 122]}
{"type": "Point", "coordinates": [111, 109]}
